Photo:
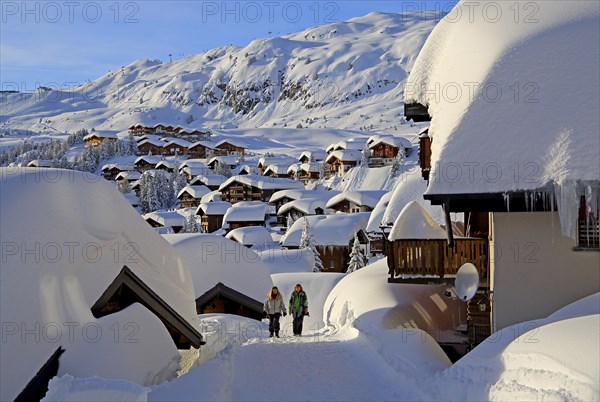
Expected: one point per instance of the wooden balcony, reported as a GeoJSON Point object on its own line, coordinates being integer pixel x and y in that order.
{"type": "Point", "coordinates": [432, 260]}
{"type": "Point", "coordinates": [588, 233]}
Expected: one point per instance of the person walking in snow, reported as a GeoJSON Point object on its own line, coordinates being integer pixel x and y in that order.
{"type": "Point", "coordinates": [274, 307]}
{"type": "Point", "coordinates": [298, 308]}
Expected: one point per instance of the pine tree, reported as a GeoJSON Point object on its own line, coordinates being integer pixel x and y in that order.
{"type": "Point", "coordinates": [289, 221]}
{"type": "Point", "coordinates": [357, 259]}
{"type": "Point", "coordinates": [398, 162]}
{"type": "Point", "coordinates": [308, 242]}
{"type": "Point", "coordinates": [191, 224]}
{"type": "Point", "coordinates": [131, 145]}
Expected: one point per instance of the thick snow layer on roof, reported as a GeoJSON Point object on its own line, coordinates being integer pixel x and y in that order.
{"type": "Point", "coordinates": [316, 155]}
{"type": "Point", "coordinates": [257, 236]}
{"type": "Point", "coordinates": [40, 163]}
{"type": "Point", "coordinates": [235, 142]}
{"type": "Point", "coordinates": [100, 135]}
{"type": "Point", "coordinates": [366, 198]}
{"type": "Point", "coordinates": [377, 214]}
{"type": "Point", "coordinates": [311, 167]}
{"type": "Point", "coordinates": [246, 211]}
{"type": "Point", "coordinates": [195, 191]}
{"type": "Point", "coordinates": [192, 163]}
{"type": "Point", "coordinates": [155, 142]}
{"type": "Point", "coordinates": [264, 183]}
{"type": "Point", "coordinates": [278, 168]}
{"type": "Point", "coordinates": [83, 232]}
{"type": "Point", "coordinates": [514, 101]}
{"type": "Point", "coordinates": [296, 194]}
{"type": "Point", "coordinates": [166, 218]}
{"type": "Point", "coordinates": [349, 155]}
{"type": "Point", "coordinates": [357, 143]}
{"type": "Point", "coordinates": [213, 208]}
{"type": "Point", "coordinates": [410, 187]}
{"type": "Point", "coordinates": [335, 229]}
{"type": "Point", "coordinates": [205, 144]}
{"type": "Point", "coordinates": [230, 160]}
{"type": "Point", "coordinates": [269, 160]}
{"type": "Point", "coordinates": [288, 260]}
{"type": "Point", "coordinates": [68, 388]}
{"type": "Point", "coordinates": [130, 175]}
{"type": "Point", "coordinates": [415, 223]}
{"type": "Point", "coordinates": [177, 141]}
{"type": "Point", "coordinates": [151, 159]}
{"type": "Point", "coordinates": [209, 180]}
{"type": "Point", "coordinates": [307, 206]}
{"type": "Point", "coordinates": [212, 259]}
{"type": "Point", "coordinates": [120, 166]}
{"type": "Point", "coordinates": [213, 196]}
{"type": "Point", "coordinates": [153, 137]}
{"type": "Point", "coordinates": [196, 170]}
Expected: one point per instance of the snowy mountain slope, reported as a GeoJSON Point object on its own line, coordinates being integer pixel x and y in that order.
{"type": "Point", "coordinates": [342, 75]}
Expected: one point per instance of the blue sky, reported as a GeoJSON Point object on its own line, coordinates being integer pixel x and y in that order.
{"type": "Point", "coordinates": [69, 41]}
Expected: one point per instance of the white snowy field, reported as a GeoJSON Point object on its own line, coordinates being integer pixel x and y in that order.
{"type": "Point", "coordinates": [368, 351]}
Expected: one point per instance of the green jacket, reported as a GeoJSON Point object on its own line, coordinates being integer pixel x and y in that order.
{"type": "Point", "coordinates": [298, 302]}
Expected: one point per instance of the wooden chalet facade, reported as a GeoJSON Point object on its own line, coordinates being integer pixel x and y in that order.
{"type": "Point", "coordinates": [95, 139]}
{"type": "Point", "coordinates": [151, 147]}
{"type": "Point", "coordinates": [192, 135]}
{"type": "Point", "coordinates": [110, 172]}
{"type": "Point", "coordinates": [175, 148]}
{"type": "Point", "coordinates": [225, 300]}
{"type": "Point", "coordinates": [253, 189]}
{"type": "Point", "coordinates": [228, 148]}
{"type": "Point", "coordinates": [199, 150]}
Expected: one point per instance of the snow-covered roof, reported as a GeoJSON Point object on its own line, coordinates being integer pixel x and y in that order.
{"type": "Point", "coordinates": [195, 191]}
{"type": "Point", "coordinates": [96, 134]}
{"type": "Point", "coordinates": [235, 143]}
{"type": "Point", "coordinates": [415, 223]}
{"type": "Point", "coordinates": [296, 194]}
{"type": "Point", "coordinates": [263, 182]}
{"type": "Point", "coordinates": [177, 141]}
{"type": "Point", "coordinates": [350, 155]}
{"type": "Point", "coordinates": [357, 143]}
{"type": "Point", "coordinates": [393, 141]}
{"type": "Point", "coordinates": [230, 160]}
{"type": "Point", "coordinates": [166, 218]}
{"type": "Point", "coordinates": [535, 121]}
{"type": "Point", "coordinates": [377, 214]}
{"type": "Point", "coordinates": [410, 187]}
{"type": "Point", "coordinates": [150, 159]}
{"type": "Point", "coordinates": [366, 198]}
{"type": "Point", "coordinates": [316, 155]}
{"type": "Point", "coordinates": [120, 166]}
{"type": "Point", "coordinates": [251, 236]}
{"type": "Point", "coordinates": [130, 175]}
{"type": "Point", "coordinates": [249, 169]}
{"type": "Point", "coordinates": [211, 197]}
{"type": "Point", "coordinates": [155, 142]}
{"type": "Point", "coordinates": [192, 163]}
{"type": "Point", "coordinates": [212, 259]}
{"type": "Point", "coordinates": [94, 220]}
{"type": "Point", "coordinates": [335, 229]}
{"type": "Point", "coordinates": [169, 164]}
{"type": "Point", "coordinates": [205, 144]}
{"type": "Point", "coordinates": [213, 208]}
{"type": "Point", "coordinates": [307, 206]}
{"type": "Point", "coordinates": [40, 163]}
{"type": "Point", "coordinates": [196, 170]}
{"type": "Point", "coordinates": [153, 137]}
{"type": "Point", "coordinates": [311, 167]}
{"type": "Point", "coordinates": [209, 180]}
{"type": "Point", "coordinates": [278, 168]}
{"type": "Point", "coordinates": [246, 211]}
{"type": "Point", "coordinates": [269, 160]}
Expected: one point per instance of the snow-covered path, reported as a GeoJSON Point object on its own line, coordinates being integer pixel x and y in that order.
{"type": "Point", "coordinates": [313, 367]}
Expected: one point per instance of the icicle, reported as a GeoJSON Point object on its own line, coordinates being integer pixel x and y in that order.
{"type": "Point", "coordinates": [506, 197]}
{"type": "Point", "coordinates": [526, 200]}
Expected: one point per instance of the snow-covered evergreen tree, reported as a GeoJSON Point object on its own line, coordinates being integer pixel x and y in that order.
{"type": "Point", "coordinates": [357, 259]}
{"type": "Point", "coordinates": [307, 241]}
{"type": "Point", "coordinates": [364, 157]}
{"type": "Point", "coordinates": [289, 221]}
{"type": "Point", "coordinates": [398, 162]}
{"type": "Point", "coordinates": [191, 225]}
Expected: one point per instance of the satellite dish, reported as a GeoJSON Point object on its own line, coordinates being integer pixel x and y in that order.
{"type": "Point", "coordinates": [466, 282]}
